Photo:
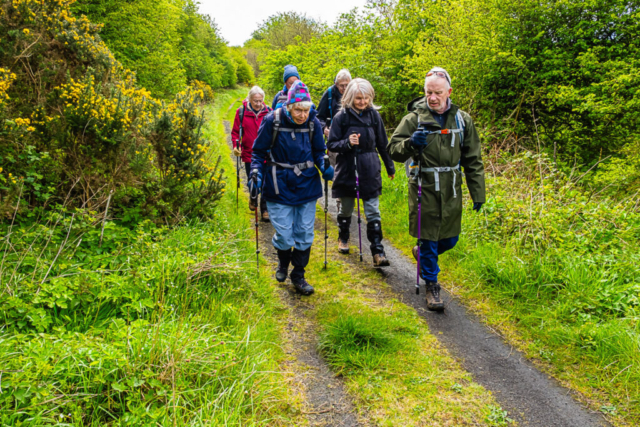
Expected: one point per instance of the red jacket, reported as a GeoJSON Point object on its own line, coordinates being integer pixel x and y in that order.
{"type": "Point", "coordinates": [250, 126]}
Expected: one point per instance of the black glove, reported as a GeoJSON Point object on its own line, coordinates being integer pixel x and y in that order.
{"type": "Point", "coordinates": [477, 206]}
{"type": "Point", "coordinates": [256, 180]}
{"type": "Point", "coordinates": [419, 139]}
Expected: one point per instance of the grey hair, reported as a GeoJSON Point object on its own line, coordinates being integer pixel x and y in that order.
{"type": "Point", "coordinates": [355, 87]}
{"type": "Point", "coordinates": [343, 74]}
{"type": "Point", "coordinates": [434, 77]}
{"type": "Point", "coordinates": [306, 105]}
{"type": "Point", "coordinates": [256, 90]}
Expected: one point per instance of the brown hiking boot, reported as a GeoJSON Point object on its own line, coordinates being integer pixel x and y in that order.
{"type": "Point", "coordinates": [434, 302]}
{"type": "Point", "coordinates": [379, 260]}
{"type": "Point", "coordinates": [343, 247]}
{"type": "Point", "coordinates": [414, 251]}
{"type": "Point", "coordinates": [252, 205]}
{"type": "Point", "coordinates": [265, 216]}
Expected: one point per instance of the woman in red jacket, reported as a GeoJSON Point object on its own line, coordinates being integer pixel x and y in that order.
{"type": "Point", "coordinates": [250, 116]}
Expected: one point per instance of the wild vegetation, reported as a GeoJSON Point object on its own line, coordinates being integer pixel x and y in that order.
{"type": "Point", "coordinates": [77, 129]}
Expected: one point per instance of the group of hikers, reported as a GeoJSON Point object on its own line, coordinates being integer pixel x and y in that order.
{"type": "Point", "coordinates": [285, 155]}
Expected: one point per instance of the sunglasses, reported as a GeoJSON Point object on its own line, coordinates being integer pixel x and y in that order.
{"type": "Point", "coordinates": [439, 74]}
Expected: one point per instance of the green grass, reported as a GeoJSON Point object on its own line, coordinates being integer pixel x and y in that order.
{"type": "Point", "coordinates": [158, 326]}
{"type": "Point", "coordinates": [555, 270]}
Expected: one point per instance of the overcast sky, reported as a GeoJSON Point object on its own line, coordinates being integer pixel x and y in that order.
{"type": "Point", "coordinates": [237, 19]}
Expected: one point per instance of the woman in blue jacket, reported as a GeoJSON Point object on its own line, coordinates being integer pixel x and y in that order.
{"type": "Point", "coordinates": [290, 140]}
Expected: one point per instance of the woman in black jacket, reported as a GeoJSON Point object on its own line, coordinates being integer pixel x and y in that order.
{"type": "Point", "coordinates": [358, 135]}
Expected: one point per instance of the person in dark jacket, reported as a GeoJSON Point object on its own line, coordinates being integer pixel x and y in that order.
{"type": "Point", "coordinates": [289, 77]}
{"type": "Point", "coordinates": [330, 104]}
{"type": "Point", "coordinates": [449, 143]}
{"type": "Point", "coordinates": [291, 141]}
{"type": "Point", "coordinates": [358, 134]}
{"type": "Point", "coordinates": [252, 112]}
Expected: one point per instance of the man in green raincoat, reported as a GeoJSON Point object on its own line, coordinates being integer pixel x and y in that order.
{"type": "Point", "coordinates": [449, 143]}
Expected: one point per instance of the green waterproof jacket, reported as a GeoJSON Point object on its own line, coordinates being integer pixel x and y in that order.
{"type": "Point", "coordinates": [441, 210]}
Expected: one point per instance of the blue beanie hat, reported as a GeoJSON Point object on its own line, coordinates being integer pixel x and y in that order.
{"type": "Point", "coordinates": [290, 71]}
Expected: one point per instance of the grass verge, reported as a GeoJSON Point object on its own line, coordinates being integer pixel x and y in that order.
{"type": "Point", "coordinates": [555, 270]}
{"type": "Point", "coordinates": [156, 326]}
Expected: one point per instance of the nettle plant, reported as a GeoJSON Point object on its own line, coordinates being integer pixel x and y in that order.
{"type": "Point", "coordinates": [77, 130]}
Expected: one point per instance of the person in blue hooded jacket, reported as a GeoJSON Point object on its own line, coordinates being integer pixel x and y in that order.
{"type": "Point", "coordinates": [289, 77]}
{"type": "Point", "coordinates": [290, 141]}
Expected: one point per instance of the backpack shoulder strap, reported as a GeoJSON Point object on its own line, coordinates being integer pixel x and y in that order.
{"type": "Point", "coordinates": [311, 127]}
{"type": "Point", "coordinates": [331, 102]}
{"type": "Point", "coordinates": [460, 125]}
{"type": "Point", "coordinates": [276, 126]}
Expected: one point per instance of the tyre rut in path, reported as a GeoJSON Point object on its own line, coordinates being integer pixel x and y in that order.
{"type": "Point", "coordinates": [325, 399]}
{"type": "Point", "coordinates": [530, 396]}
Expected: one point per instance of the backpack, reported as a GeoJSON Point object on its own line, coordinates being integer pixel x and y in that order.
{"type": "Point", "coordinates": [296, 168]}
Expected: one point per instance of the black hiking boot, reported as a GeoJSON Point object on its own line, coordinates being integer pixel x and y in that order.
{"type": "Point", "coordinates": [284, 258]}
{"type": "Point", "coordinates": [374, 234]}
{"type": "Point", "coordinates": [343, 236]}
{"type": "Point", "coordinates": [299, 260]}
{"type": "Point", "coordinates": [434, 302]}
{"type": "Point", "coordinates": [302, 286]}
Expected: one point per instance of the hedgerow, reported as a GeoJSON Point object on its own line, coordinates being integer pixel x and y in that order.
{"type": "Point", "coordinates": [77, 130]}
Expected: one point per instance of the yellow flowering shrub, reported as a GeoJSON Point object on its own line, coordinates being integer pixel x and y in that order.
{"type": "Point", "coordinates": [83, 129]}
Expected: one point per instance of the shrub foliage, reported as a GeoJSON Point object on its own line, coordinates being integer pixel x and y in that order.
{"type": "Point", "coordinates": [76, 129]}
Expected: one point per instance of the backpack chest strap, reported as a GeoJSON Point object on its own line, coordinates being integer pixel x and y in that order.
{"type": "Point", "coordinates": [436, 175]}
{"type": "Point", "coordinates": [297, 169]}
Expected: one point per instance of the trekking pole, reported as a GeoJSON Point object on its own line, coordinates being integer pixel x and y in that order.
{"type": "Point", "coordinates": [419, 217]}
{"type": "Point", "coordinates": [326, 208]}
{"type": "Point", "coordinates": [237, 181]}
{"type": "Point", "coordinates": [355, 159]}
{"type": "Point", "coordinates": [253, 192]}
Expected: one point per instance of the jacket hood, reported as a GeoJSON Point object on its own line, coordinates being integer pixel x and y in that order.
{"type": "Point", "coordinates": [418, 104]}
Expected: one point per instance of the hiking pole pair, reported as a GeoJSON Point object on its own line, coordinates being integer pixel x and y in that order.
{"type": "Point", "coordinates": [326, 208]}
{"type": "Point", "coordinates": [254, 194]}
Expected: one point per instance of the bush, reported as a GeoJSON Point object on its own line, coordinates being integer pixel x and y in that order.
{"type": "Point", "coordinates": [85, 131]}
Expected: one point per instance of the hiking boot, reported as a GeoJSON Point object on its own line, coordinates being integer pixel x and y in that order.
{"type": "Point", "coordinates": [414, 251]}
{"type": "Point", "coordinates": [302, 286]}
{"type": "Point", "coordinates": [299, 260]}
{"type": "Point", "coordinates": [284, 258]}
{"type": "Point", "coordinates": [252, 204]}
{"type": "Point", "coordinates": [374, 234]}
{"type": "Point", "coordinates": [343, 236]}
{"type": "Point", "coordinates": [265, 216]}
{"type": "Point", "coordinates": [380, 260]}
{"type": "Point", "coordinates": [434, 302]}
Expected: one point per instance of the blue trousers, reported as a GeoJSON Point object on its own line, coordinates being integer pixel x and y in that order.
{"type": "Point", "coordinates": [429, 251]}
{"type": "Point", "coordinates": [293, 225]}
